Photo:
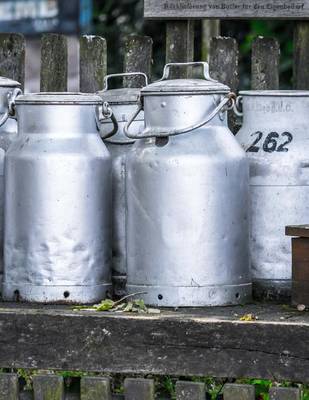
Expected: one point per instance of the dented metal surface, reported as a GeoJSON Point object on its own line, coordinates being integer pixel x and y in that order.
{"type": "Point", "coordinates": [57, 202]}
{"type": "Point", "coordinates": [275, 137]}
{"type": "Point", "coordinates": [187, 202]}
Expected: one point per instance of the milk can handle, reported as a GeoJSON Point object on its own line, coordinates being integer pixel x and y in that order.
{"type": "Point", "coordinates": [103, 112]}
{"type": "Point", "coordinates": [237, 108]}
{"type": "Point", "coordinates": [107, 77]}
{"type": "Point", "coordinates": [205, 65]}
{"type": "Point", "coordinates": [10, 112]}
{"type": "Point", "coordinates": [148, 133]}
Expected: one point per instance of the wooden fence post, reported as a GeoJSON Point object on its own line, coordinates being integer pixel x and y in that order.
{"type": "Point", "coordinates": [92, 63]}
{"type": "Point", "coordinates": [139, 389]}
{"type": "Point", "coordinates": [238, 392]}
{"type": "Point", "coordinates": [301, 56]}
{"type": "Point", "coordinates": [54, 63]}
{"type": "Point", "coordinates": [265, 64]}
{"type": "Point", "coordinates": [210, 28]}
{"type": "Point", "coordinates": [223, 64]}
{"type": "Point", "coordinates": [190, 390]}
{"type": "Point", "coordinates": [137, 58]}
{"type": "Point", "coordinates": [95, 388]}
{"type": "Point", "coordinates": [179, 45]}
{"type": "Point", "coordinates": [9, 388]}
{"type": "Point", "coordinates": [48, 387]}
{"type": "Point", "coordinates": [12, 56]}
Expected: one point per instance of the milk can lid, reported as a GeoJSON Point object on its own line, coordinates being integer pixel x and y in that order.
{"type": "Point", "coordinates": [123, 95]}
{"type": "Point", "coordinates": [6, 82]}
{"type": "Point", "coordinates": [69, 98]}
{"type": "Point", "coordinates": [206, 85]}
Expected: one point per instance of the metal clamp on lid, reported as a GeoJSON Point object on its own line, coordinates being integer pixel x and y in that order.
{"type": "Point", "coordinates": [10, 112]}
{"type": "Point", "coordinates": [104, 112]}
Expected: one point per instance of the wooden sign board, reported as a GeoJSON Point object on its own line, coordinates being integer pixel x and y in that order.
{"type": "Point", "coordinates": [226, 9]}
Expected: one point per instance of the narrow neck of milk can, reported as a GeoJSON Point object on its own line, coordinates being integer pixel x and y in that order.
{"type": "Point", "coordinates": [62, 119]}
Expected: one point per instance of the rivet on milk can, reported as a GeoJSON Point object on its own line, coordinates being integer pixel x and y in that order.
{"type": "Point", "coordinates": [187, 197]}
{"type": "Point", "coordinates": [275, 136]}
{"type": "Point", "coordinates": [57, 201]}
{"type": "Point", "coordinates": [124, 102]}
{"type": "Point", "coordinates": [8, 133]}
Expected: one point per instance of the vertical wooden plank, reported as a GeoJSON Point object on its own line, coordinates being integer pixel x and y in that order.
{"type": "Point", "coordinates": [95, 388]}
{"type": "Point", "coordinates": [238, 392]}
{"type": "Point", "coordinates": [301, 56]}
{"type": "Point", "coordinates": [9, 389]}
{"type": "Point", "coordinates": [48, 387]}
{"type": "Point", "coordinates": [92, 63]}
{"type": "Point", "coordinates": [138, 389]}
{"type": "Point", "coordinates": [281, 393]}
{"type": "Point", "coordinates": [137, 58]}
{"type": "Point", "coordinates": [179, 45]}
{"type": "Point", "coordinates": [12, 56]}
{"type": "Point", "coordinates": [190, 390]}
{"type": "Point", "coordinates": [265, 64]}
{"type": "Point", "coordinates": [54, 63]}
{"type": "Point", "coordinates": [210, 28]}
{"type": "Point", "coordinates": [223, 64]}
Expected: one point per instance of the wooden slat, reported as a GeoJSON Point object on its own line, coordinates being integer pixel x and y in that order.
{"type": "Point", "coordinates": [48, 387]}
{"type": "Point", "coordinates": [223, 64]}
{"type": "Point", "coordinates": [297, 230]}
{"type": "Point", "coordinates": [190, 390]}
{"type": "Point", "coordinates": [284, 393]}
{"type": "Point", "coordinates": [210, 29]}
{"type": "Point", "coordinates": [265, 64]}
{"type": "Point", "coordinates": [12, 56]}
{"type": "Point", "coordinates": [54, 63]}
{"type": "Point", "coordinates": [236, 9]}
{"type": "Point", "coordinates": [92, 64]}
{"type": "Point", "coordinates": [95, 388]}
{"type": "Point", "coordinates": [9, 389]}
{"type": "Point", "coordinates": [139, 389]}
{"type": "Point", "coordinates": [301, 56]}
{"type": "Point", "coordinates": [179, 45]}
{"type": "Point", "coordinates": [238, 392]}
{"type": "Point", "coordinates": [137, 58]}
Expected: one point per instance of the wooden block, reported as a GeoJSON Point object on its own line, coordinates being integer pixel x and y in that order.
{"type": "Point", "coordinates": [12, 56]}
{"type": "Point", "coordinates": [95, 388]}
{"type": "Point", "coordinates": [137, 58]}
{"type": "Point", "coordinates": [92, 63]}
{"type": "Point", "coordinates": [301, 56]}
{"type": "Point", "coordinates": [48, 387]}
{"type": "Point", "coordinates": [238, 392]}
{"type": "Point", "coordinates": [281, 393]}
{"type": "Point", "coordinates": [139, 389]}
{"type": "Point", "coordinates": [54, 63]}
{"type": "Point", "coordinates": [297, 230]}
{"type": "Point", "coordinates": [190, 390]}
{"type": "Point", "coordinates": [9, 388]}
{"type": "Point", "coordinates": [265, 64]}
{"type": "Point", "coordinates": [179, 45]}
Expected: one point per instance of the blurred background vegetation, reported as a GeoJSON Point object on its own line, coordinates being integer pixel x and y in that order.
{"type": "Point", "coordinates": [115, 19]}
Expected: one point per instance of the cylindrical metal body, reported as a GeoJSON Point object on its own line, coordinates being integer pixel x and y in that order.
{"type": "Point", "coordinates": [187, 195]}
{"type": "Point", "coordinates": [57, 202]}
{"type": "Point", "coordinates": [124, 103]}
{"type": "Point", "coordinates": [8, 133]}
{"type": "Point", "coordinates": [276, 139]}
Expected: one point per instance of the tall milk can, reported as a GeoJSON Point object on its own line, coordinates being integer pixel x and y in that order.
{"type": "Point", "coordinates": [276, 138]}
{"type": "Point", "coordinates": [57, 201]}
{"type": "Point", "coordinates": [8, 133]}
{"type": "Point", "coordinates": [187, 197]}
{"type": "Point", "coordinates": [124, 102]}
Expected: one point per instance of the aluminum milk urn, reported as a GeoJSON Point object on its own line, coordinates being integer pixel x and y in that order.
{"type": "Point", "coordinates": [57, 201]}
{"type": "Point", "coordinates": [276, 138]}
{"type": "Point", "coordinates": [8, 133]}
{"type": "Point", "coordinates": [187, 197]}
{"type": "Point", "coordinates": [124, 102]}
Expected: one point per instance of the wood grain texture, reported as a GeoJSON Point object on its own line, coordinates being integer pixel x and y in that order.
{"type": "Point", "coordinates": [265, 64]}
{"type": "Point", "coordinates": [208, 342]}
{"type": "Point", "coordinates": [301, 56]}
{"type": "Point", "coordinates": [92, 64]}
{"type": "Point", "coordinates": [238, 392]}
{"type": "Point", "coordinates": [48, 387]}
{"type": "Point", "coordinates": [139, 389]}
{"type": "Point", "coordinates": [190, 390]}
{"type": "Point", "coordinates": [225, 9]}
{"type": "Point", "coordinates": [54, 63]}
{"type": "Point", "coordinates": [12, 56]}
{"type": "Point", "coordinates": [137, 58]}
{"type": "Point", "coordinates": [9, 387]}
{"type": "Point", "coordinates": [179, 46]}
{"type": "Point", "coordinates": [281, 393]}
{"type": "Point", "coordinates": [95, 388]}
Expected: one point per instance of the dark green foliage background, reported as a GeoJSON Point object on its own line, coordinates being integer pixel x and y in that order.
{"type": "Point", "coordinates": [115, 19]}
